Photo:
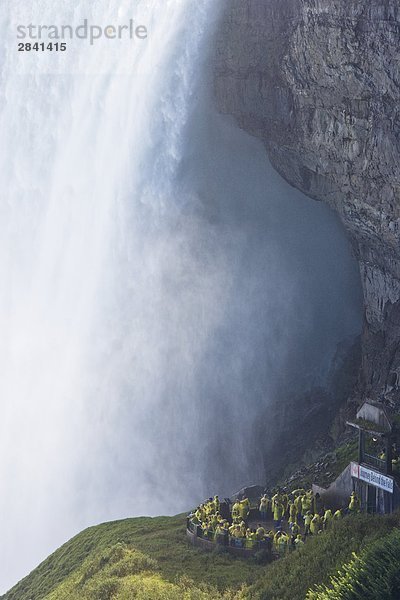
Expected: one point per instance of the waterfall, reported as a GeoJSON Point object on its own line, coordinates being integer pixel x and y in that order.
{"type": "Point", "coordinates": [149, 291]}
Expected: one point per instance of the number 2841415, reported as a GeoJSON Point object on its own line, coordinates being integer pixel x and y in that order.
{"type": "Point", "coordinates": [42, 47]}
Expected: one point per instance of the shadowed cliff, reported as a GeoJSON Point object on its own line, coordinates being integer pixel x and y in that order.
{"type": "Point", "coordinates": [318, 81]}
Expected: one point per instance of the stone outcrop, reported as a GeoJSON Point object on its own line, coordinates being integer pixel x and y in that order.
{"type": "Point", "coordinates": [319, 82]}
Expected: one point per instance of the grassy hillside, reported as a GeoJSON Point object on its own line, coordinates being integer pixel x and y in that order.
{"type": "Point", "coordinates": [163, 539]}
{"type": "Point", "coordinates": [321, 558]}
{"type": "Point", "coordinates": [150, 559]}
{"type": "Point", "coordinates": [124, 573]}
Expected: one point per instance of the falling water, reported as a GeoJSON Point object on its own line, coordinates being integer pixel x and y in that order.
{"type": "Point", "coordinates": [156, 277]}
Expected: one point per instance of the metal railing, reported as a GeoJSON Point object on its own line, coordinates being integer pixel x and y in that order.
{"type": "Point", "coordinates": [374, 461]}
{"type": "Point", "coordinates": [224, 539]}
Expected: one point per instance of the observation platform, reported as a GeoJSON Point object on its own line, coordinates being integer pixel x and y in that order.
{"type": "Point", "coordinates": [236, 546]}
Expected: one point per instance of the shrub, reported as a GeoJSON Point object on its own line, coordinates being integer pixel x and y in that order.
{"type": "Point", "coordinates": [102, 589]}
{"type": "Point", "coordinates": [374, 575]}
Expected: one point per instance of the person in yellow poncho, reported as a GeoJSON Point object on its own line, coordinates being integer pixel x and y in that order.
{"type": "Point", "coordinates": [285, 502]}
{"type": "Point", "coordinates": [263, 508]}
{"type": "Point", "coordinates": [306, 502]}
{"type": "Point", "coordinates": [298, 504]}
{"type": "Point", "coordinates": [278, 514]}
{"type": "Point", "coordinates": [327, 520]}
{"type": "Point", "coordinates": [307, 522]}
{"type": "Point", "coordinates": [299, 542]}
{"type": "Point", "coordinates": [315, 525]}
{"type": "Point", "coordinates": [282, 543]}
{"type": "Point", "coordinates": [243, 528]}
{"type": "Point", "coordinates": [236, 512]}
{"type": "Point", "coordinates": [277, 498]}
{"type": "Point", "coordinates": [244, 508]}
{"type": "Point", "coordinates": [295, 529]}
{"type": "Point", "coordinates": [292, 512]}
{"type": "Point", "coordinates": [354, 504]}
{"type": "Point", "coordinates": [251, 538]}
{"type": "Point", "coordinates": [237, 532]}
{"type": "Point", "coordinates": [261, 533]}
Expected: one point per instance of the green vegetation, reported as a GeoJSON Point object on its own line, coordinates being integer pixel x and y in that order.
{"type": "Point", "coordinates": [320, 559]}
{"type": "Point", "coordinates": [123, 573]}
{"type": "Point", "coordinates": [344, 455]}
{"type": "Point", "coordinates": [323, 472]}
{"type": "Point", "coordinates": [162, 539]}
{"type": "Point", "coordinates": [150, 559]}
{"type": "Point", "coordinates": [375, 575]}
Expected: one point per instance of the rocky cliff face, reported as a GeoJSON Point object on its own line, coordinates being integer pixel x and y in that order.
{"type": "Point", "coordinates": [319, 82]}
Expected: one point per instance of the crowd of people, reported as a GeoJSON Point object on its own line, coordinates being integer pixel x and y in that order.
{"type": "Point", "coordinates": [233, 530]}
{"type": "Point", "coordinates": [295, 516]}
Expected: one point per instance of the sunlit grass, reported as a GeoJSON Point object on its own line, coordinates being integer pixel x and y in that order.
{"type": "Point", "coordinates": [150, 559]}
